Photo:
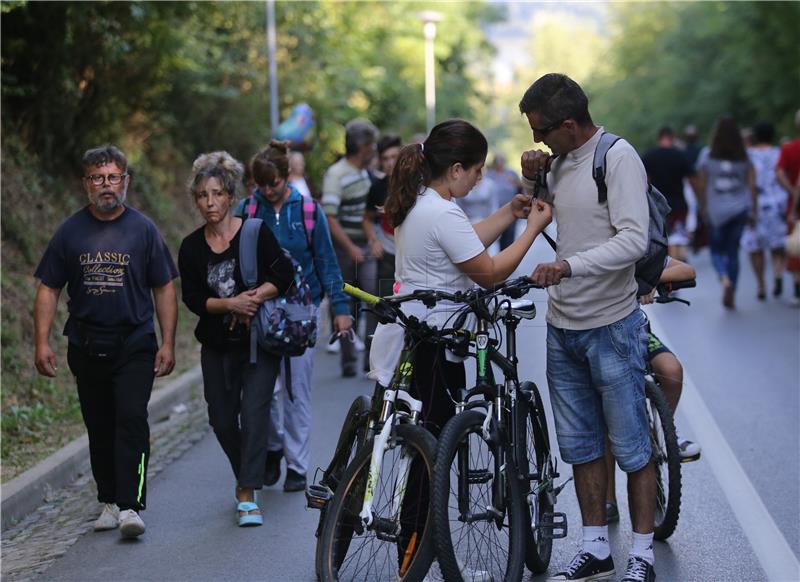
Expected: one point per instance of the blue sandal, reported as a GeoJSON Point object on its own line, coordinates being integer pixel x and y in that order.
{"type": "Point", "coordinates": [249, 520]}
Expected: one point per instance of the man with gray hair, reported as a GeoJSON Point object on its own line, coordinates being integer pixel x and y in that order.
{"type": "Point", "coordinates": [344, 200]}
{"type": "Point", "coordinates": [596, 338]}
{"type": "Point", "coordinates": [111, 259]}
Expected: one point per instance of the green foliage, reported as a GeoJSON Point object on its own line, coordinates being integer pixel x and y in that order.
{"type": "Point", "coordinates": [166, 81]}
{"type": "Point", "coordinates": [682, 63]}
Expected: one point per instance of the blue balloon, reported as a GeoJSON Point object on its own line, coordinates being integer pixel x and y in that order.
{"type": "Point", "coordinates": [297, 127]}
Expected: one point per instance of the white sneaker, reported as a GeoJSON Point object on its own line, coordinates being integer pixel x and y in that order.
{"type": "Point", "coordinates": [109, 518]}
{"type": "Point", "coordinates": [467, 574]}
{"type": "Point", "coordinates": [359, 344]}
{"type": "Point", "coordinates": [688, 450]}
{"type": "Point", "coordinates": [130, 524]}
{"type": "Point", "coordinates": [334, 348]}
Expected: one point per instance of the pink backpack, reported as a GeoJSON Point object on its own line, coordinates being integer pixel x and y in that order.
{"type": "Point", "coordinates": [309, 214]}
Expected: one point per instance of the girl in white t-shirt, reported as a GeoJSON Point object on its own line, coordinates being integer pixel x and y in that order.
{"type": "Point", "coordinates": [437, 248]}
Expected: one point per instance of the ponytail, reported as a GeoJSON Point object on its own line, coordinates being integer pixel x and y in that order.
{"type": "Point", "coordinates": [409, 176]}
{"type": "Point", "coordinates": [454, 141]}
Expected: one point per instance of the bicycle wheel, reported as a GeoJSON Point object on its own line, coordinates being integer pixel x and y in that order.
{"type": "Point", "coordinates": [351, 437]}
{"type": "Point", "coordinates": [666, 461]}
{"type": "Point", "coordinates": [397, 545]}
{"type": "Point", "coordinates": [475, 540]}
{"type": "Point", "coordinates": [536, 467]}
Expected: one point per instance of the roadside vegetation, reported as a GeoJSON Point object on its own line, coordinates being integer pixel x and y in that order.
{"type": "Point", "coordinates": [166, 81]}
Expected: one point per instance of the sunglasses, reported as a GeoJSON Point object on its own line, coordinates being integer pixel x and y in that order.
{"type": "Point", "coordinates": [550, 128]}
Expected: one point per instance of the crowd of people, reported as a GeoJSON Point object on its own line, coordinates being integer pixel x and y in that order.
{"type": "Point", "coordinates": [391, 218]}
{"type": "Point", "coordinates": [739, 191]}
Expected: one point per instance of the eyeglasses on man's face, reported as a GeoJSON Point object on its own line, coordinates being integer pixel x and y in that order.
{"type": "Point", "coordinates": [100, 179]}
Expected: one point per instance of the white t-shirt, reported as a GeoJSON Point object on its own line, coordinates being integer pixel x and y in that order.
{"type": "Point", "coordinates": [435, 236]}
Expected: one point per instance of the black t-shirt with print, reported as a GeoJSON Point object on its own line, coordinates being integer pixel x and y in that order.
{"type": "Point", "coordinates": [109, 268]}
{"type": "Point", "coordinates": [206, 274]}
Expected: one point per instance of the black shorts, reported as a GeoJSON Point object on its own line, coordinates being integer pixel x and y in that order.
{"type": "Point", "coordinates": [655, 346]}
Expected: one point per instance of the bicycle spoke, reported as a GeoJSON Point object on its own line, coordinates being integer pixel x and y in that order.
{"type": "Point", "coordinates": [478, 545]}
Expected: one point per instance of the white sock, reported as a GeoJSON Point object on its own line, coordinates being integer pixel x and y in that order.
{"type": "Point", "coordinates": [643, 547]}
{"type": "Point", "coordinates": [595, 541]}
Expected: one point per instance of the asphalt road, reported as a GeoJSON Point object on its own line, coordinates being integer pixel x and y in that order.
{"type": "Point", "coordinates": [742, 367]}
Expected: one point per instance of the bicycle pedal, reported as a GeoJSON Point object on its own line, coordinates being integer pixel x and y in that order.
{"type": "Point", "coordinates": [478, 476]}
{"type": "Point", "coordinates": [318, 496]}
{"type": "Point", "coordinates": [554, 525]}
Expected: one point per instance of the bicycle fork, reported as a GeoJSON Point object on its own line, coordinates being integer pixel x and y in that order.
{"type": "Point", "coordinates": [388, 528]}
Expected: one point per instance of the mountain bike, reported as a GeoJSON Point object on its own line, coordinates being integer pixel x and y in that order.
{"type": "Point", "coordinates": [494, 492]}
{"type": "Point", "coordinates": [371, 527]}
{"type": "Point", "coordinates": [663, 437]}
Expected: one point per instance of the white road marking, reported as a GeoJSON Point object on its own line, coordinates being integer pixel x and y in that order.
{"type": "Point", "coordinates": [771, 548]}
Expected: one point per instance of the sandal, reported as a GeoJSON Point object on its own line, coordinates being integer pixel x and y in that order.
{"type": "Point", "coordinates": [249, 519]}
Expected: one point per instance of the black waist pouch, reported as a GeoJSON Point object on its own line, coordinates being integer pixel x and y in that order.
{"type": "Point", "coordinates": [102, 343]}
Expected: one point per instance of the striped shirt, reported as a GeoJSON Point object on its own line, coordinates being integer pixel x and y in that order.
{"type": "Point", "coordinates": [344, 197]}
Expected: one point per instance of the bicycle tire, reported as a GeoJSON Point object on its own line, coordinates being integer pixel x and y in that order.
{"type": "Point", "coordinates": [455, 434]}
{"type": "Point", "coordinates": [666, 461]}
{"type": "Point", "coordinates": [533, 443]}
{"type": "Point", "coordinates": [342, 519]}
{"type": "Point", "coordinates": [350, 436]}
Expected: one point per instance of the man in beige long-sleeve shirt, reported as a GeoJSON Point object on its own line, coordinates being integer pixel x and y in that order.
{"type": "Point", "coordinates": [595, 329]}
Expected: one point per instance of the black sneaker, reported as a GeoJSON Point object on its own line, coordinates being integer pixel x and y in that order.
{"type": "Point", "coordinates": [272, 470]}
{"type": "Point", "coordinates": [612, 512]}
{"type": "Point", "coordinates": [639, 570]}
{"type": "Point", "coordinates": [294, 481]}
{"type": "Point", "coordinates": [584, 567]}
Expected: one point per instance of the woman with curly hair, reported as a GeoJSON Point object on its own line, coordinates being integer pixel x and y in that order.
{"type": "Point", "coordinates": [238, 393]}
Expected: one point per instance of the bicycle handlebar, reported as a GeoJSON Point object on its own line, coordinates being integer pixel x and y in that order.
{"type": "Point", "coordinates": [664, 290]}
{"type": "Point", "coordinates": [669, 287]}
{"type": "Point", "coordinates": [360, 294]}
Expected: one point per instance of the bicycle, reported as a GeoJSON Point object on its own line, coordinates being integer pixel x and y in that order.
{"type": "Point", "coordinates": [663, 437]}
{"type": "Point", "coordinates": [495, 472]}
{"type": "Point", "coordinates": [364, 493]}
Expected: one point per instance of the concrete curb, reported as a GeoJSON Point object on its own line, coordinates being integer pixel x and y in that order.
{"type": "Point", "coordinates": [27, 491]}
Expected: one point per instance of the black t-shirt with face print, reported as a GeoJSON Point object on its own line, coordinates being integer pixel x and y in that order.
{"type": "Point", "coordinates": [109, 269]}
{"type": "Point", "coordinates": [206, 274]}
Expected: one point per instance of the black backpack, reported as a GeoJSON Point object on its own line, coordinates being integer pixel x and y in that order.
{"type": "Point", "coordinates": [651, 265]}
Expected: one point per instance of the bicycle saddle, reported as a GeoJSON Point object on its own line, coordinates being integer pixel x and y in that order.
{"type": "Point", "coordinates": [522, 308]}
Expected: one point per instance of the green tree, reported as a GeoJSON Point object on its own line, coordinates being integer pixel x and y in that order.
{"type": "Point", "coordinates": [683, 63]}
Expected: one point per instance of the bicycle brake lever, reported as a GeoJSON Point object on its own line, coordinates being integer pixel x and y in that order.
{"type": "Point", "coordinates": [558, 489]}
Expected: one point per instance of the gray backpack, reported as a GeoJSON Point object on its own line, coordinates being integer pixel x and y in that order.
{"type": "Point", "coordinates": [285, 325]}
{"type": "Point", "coordinates": [651, 265]}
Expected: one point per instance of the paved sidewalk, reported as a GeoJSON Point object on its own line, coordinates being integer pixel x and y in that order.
{"type": "Point", "coordinates": [31, 546]}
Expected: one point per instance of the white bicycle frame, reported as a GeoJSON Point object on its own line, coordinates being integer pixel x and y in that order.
{"type": "Point", "coordinates": [380, 444]}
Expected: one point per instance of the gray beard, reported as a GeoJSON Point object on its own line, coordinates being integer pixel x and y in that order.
{"type": "Point", "coordinates": [103, 206]}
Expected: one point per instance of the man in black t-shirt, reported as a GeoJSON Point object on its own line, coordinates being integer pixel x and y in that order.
{"type": "Point", "coordinates": [111, 259]}
{"type": "Point", "coordinates": [667, 167]}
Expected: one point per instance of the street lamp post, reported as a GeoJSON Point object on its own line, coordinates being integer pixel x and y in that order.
{"type": "Point", "coordinates": [430, 18]}
{"type": "Point", "coordinates": [273, 67]}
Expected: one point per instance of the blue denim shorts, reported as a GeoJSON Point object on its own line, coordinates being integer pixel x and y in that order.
{"type": "Point", "coordinates": [596, 379]}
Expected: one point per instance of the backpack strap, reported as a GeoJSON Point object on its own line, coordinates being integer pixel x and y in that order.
{"type": "Point", "coordinates": [248, 266]}
{"type": "Point", "coordinates": [250, 206]}
{"type": "Point", "coordinates": [599, 164]}
{"type": "Point", "coordinates": [309, 220]}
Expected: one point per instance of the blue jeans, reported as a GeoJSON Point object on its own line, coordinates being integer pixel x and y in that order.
{"type": "Point", "coordinates": [596, 380]}
{"type": "Point", "coordinates": [724, 243]}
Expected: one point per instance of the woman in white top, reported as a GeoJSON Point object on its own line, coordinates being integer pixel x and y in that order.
{"type": "Point", "coordinates": [437, 248]}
